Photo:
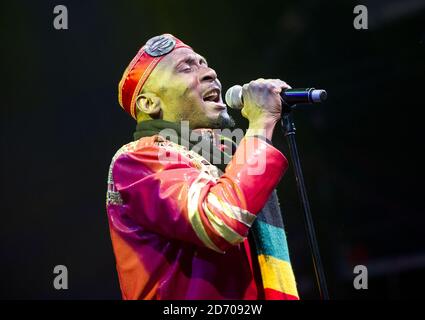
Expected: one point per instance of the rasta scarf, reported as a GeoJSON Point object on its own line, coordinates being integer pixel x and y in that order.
{"type": "Point", "coordinates": [267, 235]}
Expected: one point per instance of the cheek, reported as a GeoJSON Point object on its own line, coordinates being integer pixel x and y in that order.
{"type": "Point", "coordinates": [185, 89]}
{"type": "Point", "coordinates": [184, 98]}
{"type": "Point", "coordinates": [193, 100]}
{"type": "Point", "coordinates": [192, 91]}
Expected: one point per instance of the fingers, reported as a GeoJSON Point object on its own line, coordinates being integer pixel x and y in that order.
{"type": "Point", "coordinates": [274, 85]}
{"type": "Point", "coordinates": [261, 98]}
{"type": "Point", "coordinates": [280, 85]}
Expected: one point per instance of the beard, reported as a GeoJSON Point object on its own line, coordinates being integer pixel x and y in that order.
{"type": "Point", "coordinates": [198, 120]}
{"type": "Point", "coordinates": [223, 121]}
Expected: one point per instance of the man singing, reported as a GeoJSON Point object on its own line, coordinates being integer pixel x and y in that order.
{"type": "Point", "coordinates": [184, 226]}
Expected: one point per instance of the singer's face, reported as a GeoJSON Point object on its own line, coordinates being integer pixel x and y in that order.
{"type": "Point", "coordinates": [189, 90]}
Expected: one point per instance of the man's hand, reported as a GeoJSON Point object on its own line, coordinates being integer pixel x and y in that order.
{"type": "Point", "coordinates": [263, 105]}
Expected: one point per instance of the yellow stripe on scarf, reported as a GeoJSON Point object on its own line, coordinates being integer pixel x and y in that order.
{"type": "Point", "coordinates": [277, 275]}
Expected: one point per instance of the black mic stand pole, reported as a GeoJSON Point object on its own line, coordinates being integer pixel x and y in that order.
{"type": "Point", "coordinates": [288, 127]}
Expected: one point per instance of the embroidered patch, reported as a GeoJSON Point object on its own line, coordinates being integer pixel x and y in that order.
{"type": "Point", "coordinates": [160, 45]}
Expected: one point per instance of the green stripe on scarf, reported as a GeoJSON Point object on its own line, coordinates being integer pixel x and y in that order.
{"type": "Point", "coordinates": [271, 240]}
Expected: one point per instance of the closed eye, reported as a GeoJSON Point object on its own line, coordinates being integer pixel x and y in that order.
{"type": "Point", "coordinates": [186, 64]}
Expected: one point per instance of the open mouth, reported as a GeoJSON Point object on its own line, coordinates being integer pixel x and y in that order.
{"type": "Point", "coordinates": [212, 96]}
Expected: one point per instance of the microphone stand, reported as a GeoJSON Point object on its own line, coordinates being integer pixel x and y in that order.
{"type": "Point", "coordinates": [288, 128]}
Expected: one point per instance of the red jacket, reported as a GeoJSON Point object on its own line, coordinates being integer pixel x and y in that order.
{"type": "Point", "coordinates": [178, 229]}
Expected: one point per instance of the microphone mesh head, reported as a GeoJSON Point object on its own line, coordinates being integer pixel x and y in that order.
{"type": "Point", "coordinates": [233, 97]}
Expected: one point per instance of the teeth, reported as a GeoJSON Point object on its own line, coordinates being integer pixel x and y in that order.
{"type": "Point", "coordinates": [212, 95]}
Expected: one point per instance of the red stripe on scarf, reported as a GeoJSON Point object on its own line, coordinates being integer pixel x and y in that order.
{"type": "Point", "coordinates": [277, 295]}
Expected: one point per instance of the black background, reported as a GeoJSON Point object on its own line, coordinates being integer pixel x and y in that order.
{"type": "Point", "coordinates": [361, 151]}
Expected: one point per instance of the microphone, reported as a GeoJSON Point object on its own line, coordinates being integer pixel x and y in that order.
{"type": "Point", "coordinates": [234, 98]}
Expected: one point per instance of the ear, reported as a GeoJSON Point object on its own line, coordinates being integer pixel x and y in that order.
{"type": "Point", "coordinates": [150, 104]}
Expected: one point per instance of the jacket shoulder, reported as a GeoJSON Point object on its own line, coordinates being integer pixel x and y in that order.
{"type": "Point", "coordinates": [134, 146]}
{"type": "Point", "coordinates": [130, 147]}
{"type": "Point", "coordinates": [168, 153]}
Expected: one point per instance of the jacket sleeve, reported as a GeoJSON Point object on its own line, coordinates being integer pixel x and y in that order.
{"type": "Point", "coordinates": [177, 200]}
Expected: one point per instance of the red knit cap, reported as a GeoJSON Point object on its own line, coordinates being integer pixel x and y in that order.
{"type": "Point", "coordinates": [142, 65]}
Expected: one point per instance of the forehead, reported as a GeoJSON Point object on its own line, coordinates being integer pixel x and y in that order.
{"type": "Point", "coordinates": [174, 57]}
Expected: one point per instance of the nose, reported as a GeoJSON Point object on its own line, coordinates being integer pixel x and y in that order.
{"type": "Point", "coordinates": [208, 75]}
